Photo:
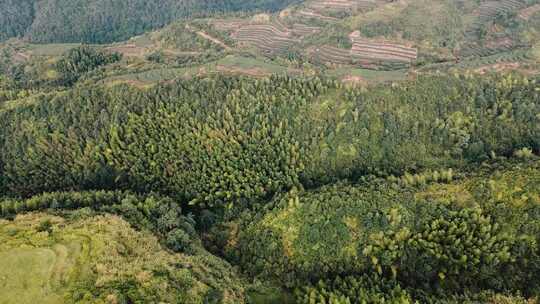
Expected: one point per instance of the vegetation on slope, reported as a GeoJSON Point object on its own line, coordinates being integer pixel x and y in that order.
{"type": "Point", "coordinates": [99, 21]}
{"type": "Point", "coordinates": [454, 235]}
{"type": "Point", "coordinates": [292, 179]}
{"type": "Point", "coordinates": [224, 141]}
{"type": "Point", "coordinates": [102, 259]}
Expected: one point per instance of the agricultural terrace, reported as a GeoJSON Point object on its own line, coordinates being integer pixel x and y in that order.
{"type": "Point", "coordinates": [484, 14]}
{"type": "Point", "coordinates": [528, 12]}
{"type": "Point", "coordinates": [368, 53]}
{"type": "Point", "coordinates": [304, 30]}
{"type": "Point", "coordinates": [381, 50]}
{"type": "Point", "coordinates": [342, 5]}
{"type": "Point", "coordinates": [229, 25]}
{"type": "Point", "coordinates": [270, 39]}
{"type": "Point", "coordinates": [329, 55]}
{"type": "Point", "coordinates": [309, 13]}
{"type": "Point", "coordinates": [490, 9]}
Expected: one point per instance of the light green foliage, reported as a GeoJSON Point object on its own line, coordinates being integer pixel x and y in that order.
{"type": "Point", "coordinates": [425, 238]}
{"type": "Point", "coordinates": [352, 290]}
{"type": "Point", "coordinates": [223, 141]}
{"type": "Point", "coordinates": [103, 260]}
{"type": "Point", "coordinates": [431, 23]}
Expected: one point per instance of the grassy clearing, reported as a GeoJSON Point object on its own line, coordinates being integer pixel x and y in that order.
{"type": "Point", "coordinates": [54, 49]}
{"type": "Point", "coordinates": [368, 76]}
{"type": "Point", "coordinates": [244, 63]}
{"type": "Point", "coordinates": [227, 65]}
{"type": "Point", "coordinates": [101, 259]}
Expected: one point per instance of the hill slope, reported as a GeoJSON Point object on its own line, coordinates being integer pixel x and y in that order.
{"type": "Point", "coordinates": [100, 21]}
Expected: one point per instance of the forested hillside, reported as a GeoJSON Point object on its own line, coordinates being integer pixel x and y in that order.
{"type": "Point", "coordinates": [270, 152]}
{"type": "Point", "coordinates": [100, 21]}
{"type": "Point", "coordinates": [17, 16]}
{"type": "Point", "coordinates": [423, 191]}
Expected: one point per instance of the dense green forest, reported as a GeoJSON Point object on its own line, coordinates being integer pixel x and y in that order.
{"type": "Point", "coordinates": [418, 191]}
{"type": "Point", "coordinates": [105, 21]}
{"type": "Point", "coordinates": [269, 152]}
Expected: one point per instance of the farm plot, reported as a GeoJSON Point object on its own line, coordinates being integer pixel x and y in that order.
{"type": "Point", "coordinates": [367, 49]}
{"type": "Point", "coordinates": [53, 49]}
{"type": "Point", "coordinates": [309, 13]}
{"type": "Point", "coordinates": [490, 9]}
{"type": "Point", "coordinates": [381, 54]}
{"type": "Point", "coordinates": [270, 39]}
{"type": "Point", "coordinates": [365, 76]}
{"type": "Point", "coordinates": [528, 12]}
{"type": "Point", "coordinates": [129, 50]}
{"type": "Point", "coordinates": [330, 55]}
{"type": "Point", "coordinates": [342, 5]}
{"type": "Point", "coordinates": [327, 9]}
{"type": "Point", "coordinates": [229, 25]}
{"type": "Point", "coordinates": [506, 59]}
{"type": "Point", "coordinates": [483, 15]}
{"type": "Point", "coordinates": [366, 53]}
{"type": "Point", "coordinates": [304, 30]}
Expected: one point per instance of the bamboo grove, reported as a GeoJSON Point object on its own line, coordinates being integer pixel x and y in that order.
{"type": "Point", "coordinates": [417, 191]}
{"type": "Point", "coordinates": [223, 141]}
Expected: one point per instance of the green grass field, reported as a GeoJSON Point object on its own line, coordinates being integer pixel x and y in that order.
{"type": "Point", "coordinates": [54, 49]}
{"type": "Point", "coordinates": [369, 76]}
{"type": "Point", "coordinates": [99, 259]}
{"type": "Point", "coordinates": [231, 64]}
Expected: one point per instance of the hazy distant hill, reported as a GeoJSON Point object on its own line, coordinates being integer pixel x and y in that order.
{"type": "Point", "coordinates": [99, 21]}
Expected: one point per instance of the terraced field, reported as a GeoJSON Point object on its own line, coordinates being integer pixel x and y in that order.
{"type": "Point", "coordinates": [505, 60]}
{"type": "Point", "coordinates": [269, 39]}
{"type": "Point", "coordinates": [490, 9]}
{"type": "Point", "coordinates": [330, 55]}
{"type": "Point", "coordinates": [367, 53]}
{"type": "Point", "coordinates": [368, 49]}
{"type": "Point", "coordinates": [528, 12]}
{"type": "Point", "coordinates": [304, 30]}
{"type": "Point", "coordinates": [327, 9]}
{"type": "Point", "coordinates": [310, 13]}
{"type": "Point", "coordinates": [56, 49]}
{"type": "Point", "coordinates": [342, 5]}
{"type": "Point", "coordinates": [483, 15]}
{"type": "Point", "coordinates": [365, 76]}
{"type": "Point", "coordinates": [229, 24]}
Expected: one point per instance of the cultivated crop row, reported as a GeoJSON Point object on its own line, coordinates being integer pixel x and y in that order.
{"type": "Point", "coordinates": [368, 54]}
{"type": "Point", "coordinates": [529, 11]}
{"type": "Point", "coordinates": [304, 30]}
{"type": "Point", "coordinates": [268, 38]}
{"type": "Point", "coordinates": [342, 5]}
{"type": "Point", "coordinates": [363, 48]}
{"type": "Point", "coordinates": [229, 25]}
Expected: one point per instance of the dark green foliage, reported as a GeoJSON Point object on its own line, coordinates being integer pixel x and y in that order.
{"type": "Point", "coordinates": [240, 148]}
{"type": "Point", "coordinates": [352, 290]}
{"type": "Point", "coordinates": [16, 17]}
{"type": "Point", "coordinates": [78, 61]}
{"type": "Point", "coordinates": [224, 141]}
{"type": "Point", "coordinates": [478, 234]}
{"type": "Point", "coordinates": [100, 21]}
